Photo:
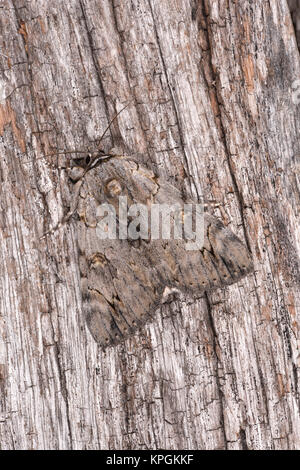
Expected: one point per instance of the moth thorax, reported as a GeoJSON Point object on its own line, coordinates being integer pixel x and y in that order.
{"type": "Point", "coordinates": [113, 188]}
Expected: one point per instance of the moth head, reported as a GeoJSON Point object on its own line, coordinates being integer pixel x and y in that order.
{"type": "Point", "coordinates": [80, 166]}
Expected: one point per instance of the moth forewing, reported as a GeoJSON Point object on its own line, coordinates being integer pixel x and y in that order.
{"type": "Point", "coordinates": [130, 280]}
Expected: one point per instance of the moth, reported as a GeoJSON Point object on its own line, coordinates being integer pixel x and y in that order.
{"type": "Point", "coordinates": [124, 281]}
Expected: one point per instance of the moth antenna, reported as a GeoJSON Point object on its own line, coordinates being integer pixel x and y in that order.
{"type": "Point", "coordinates": [64, 152]}
{"type": "Point", "coordinates": [57, 153]}
{"type": "Point", "coordinates": [51, 165]}
{"type": "Point", "coordinates": [110, 123]}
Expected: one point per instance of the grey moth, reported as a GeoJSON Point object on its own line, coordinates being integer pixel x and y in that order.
{"type": "Point", "coordinates": [123, 281]}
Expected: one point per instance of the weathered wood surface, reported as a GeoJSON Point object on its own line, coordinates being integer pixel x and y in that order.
{"type": "Point", "coordinates": [213, 113]}
{"type": "Point", "coordinates": [294, 6]}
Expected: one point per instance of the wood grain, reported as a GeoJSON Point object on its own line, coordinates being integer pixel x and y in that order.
{"type": "Point", "coordinates": [213, 114]}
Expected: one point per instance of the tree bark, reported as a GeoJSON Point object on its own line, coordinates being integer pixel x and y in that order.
{"type": "Point", "coordinates": [214, 111]}
{"type": "Point", "coordinates": [294, 6]}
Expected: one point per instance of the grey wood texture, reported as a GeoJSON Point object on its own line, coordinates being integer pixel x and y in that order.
{"type": "Point", "coordinates": [214, 113]}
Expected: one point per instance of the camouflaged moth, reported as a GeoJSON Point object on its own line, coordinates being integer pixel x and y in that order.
{"type": "Point", "coordinates": [123, 281]}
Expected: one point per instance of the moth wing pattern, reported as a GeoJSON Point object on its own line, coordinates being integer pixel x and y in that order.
{"type": "Point", "coordinates": [123, 282]}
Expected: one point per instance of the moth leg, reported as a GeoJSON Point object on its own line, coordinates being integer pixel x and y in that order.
{"type": "Point", "coordinates": [69, 214]}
